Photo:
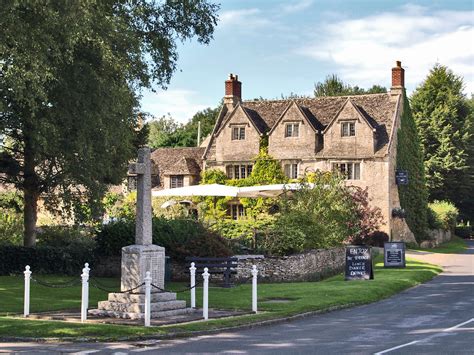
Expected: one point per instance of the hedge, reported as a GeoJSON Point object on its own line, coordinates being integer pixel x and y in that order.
{"type": "Point", "coordinates": [180, 237]}
{"type": "Point", "coordinates": [43, 260]}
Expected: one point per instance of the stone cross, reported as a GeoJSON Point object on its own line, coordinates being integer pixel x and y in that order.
{"type": "Point", "coordinates": [142, 168]}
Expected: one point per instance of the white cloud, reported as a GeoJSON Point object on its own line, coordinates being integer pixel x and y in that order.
{"type": "Point", "coordinates": [243, 19]}
{"type": "Point", "coordinates": [363, 49]}
{"type": "Point", "coordinates": [180, 104]}
{"type": "Point", "coordinates": [297, 6]}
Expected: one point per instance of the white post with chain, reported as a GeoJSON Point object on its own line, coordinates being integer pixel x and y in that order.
{"type": "Point", "coordinates": [192, 272]}
{"type": "Point", "coordinates": [205, 296]}
{"type": "Point", "coordinates": [254, 288]}
{"type": "Point", "coordinates": [85, 292]}
{"type": "Point", "coordinates": [26, 305]}
{"type": "Point", "coordinates": [147, 298]}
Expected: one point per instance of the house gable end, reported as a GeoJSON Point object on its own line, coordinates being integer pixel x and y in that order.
{"type": "Point", "coordinates": [292, 105]}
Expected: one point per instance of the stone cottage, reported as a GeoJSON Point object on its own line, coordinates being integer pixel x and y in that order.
{"type": "Point", "coordinates": [354, 134]}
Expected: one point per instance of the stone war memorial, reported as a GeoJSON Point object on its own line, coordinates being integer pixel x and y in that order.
{"type": "Point", "coordinates": [139, 258]}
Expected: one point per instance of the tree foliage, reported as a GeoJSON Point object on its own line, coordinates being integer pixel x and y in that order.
{"type": "Point", "coordinates": [70, 75]}
{"type": "Point", "coordinates": [414, 196]}
{"type": "Point", "coordinates": [444, 120]}
{"type": "Point", "coordinates": [166, 132]}
{"type": "Point", "coordinates": [334, 86]}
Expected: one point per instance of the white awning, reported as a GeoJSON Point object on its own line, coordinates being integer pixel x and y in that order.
{"type": "Point", "coordinates": [199, 190]}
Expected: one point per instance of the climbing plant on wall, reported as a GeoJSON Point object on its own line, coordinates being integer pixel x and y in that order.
{"type": "Point", "coordinates": [414, 196]}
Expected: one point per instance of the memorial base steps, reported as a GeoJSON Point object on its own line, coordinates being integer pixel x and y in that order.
{"type": "Point", "coordinates": [132, 306]}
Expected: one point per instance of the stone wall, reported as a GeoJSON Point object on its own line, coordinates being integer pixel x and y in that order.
{"type": "Point", "coordinates": [308, 266]}
{"type": "Point", "coordinates": [437, 237]}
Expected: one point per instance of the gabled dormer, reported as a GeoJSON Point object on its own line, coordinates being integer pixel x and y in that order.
{"type": "Point", "coordinates": [293, 135]}
{"type": "Point", "coordinates": [351, 133]}
{"type": "Point", "coordinates": [238, 137]}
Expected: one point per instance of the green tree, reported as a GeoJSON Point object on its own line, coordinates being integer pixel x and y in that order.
{"type": "Point", "coordinates": [334, 86]}
{"type": "Point", "coordinates": [441, 113]}
{"type": "Point", "coordinates": [166, 132]}
{"type": "Point", "coordinates": [70, 78]}
{"type": "Point", "coordinates": [160, 131]}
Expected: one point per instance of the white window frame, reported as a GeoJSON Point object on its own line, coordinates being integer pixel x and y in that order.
{"type": "Point", "coordinates": [236, 211]}
{"type": "Point", "coordinates": [348, 129]}
{"type": "Point", "coordinates": [292, 171]}
{"type": "Point", "coordinates": [234, 171]}
{"type": "Point", "coordinates": [238, 133]}
{"type": "Point", "coordinates": [176, 180]}
{"type": "Point", "coordinates": [290, 131]}
{"type": "Point", "coordinates": [352, 170]}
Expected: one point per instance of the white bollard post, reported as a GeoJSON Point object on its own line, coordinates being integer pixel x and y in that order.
{"type": "Point", "coordinates": [254, 288]}
{"type": "Point", "coordinates": [85, 292]}
{"type": "Point", "coordinates": [192, 272]}
{"type": "Point", "coordinates": [205, 296]}
{"type": "Point", "coordinates": [147, 298]}
{"type": "Point", "coordinates": [26, 306]}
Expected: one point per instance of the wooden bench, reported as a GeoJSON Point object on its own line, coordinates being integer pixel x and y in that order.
{"type": "Point", "coordinates": [225, 266]}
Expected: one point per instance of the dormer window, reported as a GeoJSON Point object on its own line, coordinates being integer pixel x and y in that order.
{"type": "Point", "coordinates": [238, 133]}
{"type": "Point", "coordinates": [348, 129]}
{"type": "Point", "coordinates": [292, 130]}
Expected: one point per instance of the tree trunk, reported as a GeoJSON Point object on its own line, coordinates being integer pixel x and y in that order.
{"type": "Point", "coordinates": [30, 195]}
{"type": "Point", "coordinates": [30, 216]}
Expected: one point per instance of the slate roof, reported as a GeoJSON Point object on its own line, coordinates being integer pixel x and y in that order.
{"type": "Point", "coordinates": [377, 109]}
{"type": "Point", "coordinates": [176, 161]}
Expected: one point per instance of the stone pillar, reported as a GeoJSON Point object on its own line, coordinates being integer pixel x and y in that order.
{"type": "Point", "coordinates": [143, 256]}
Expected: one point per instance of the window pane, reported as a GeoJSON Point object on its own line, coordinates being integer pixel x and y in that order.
{"type": "Point", "coordinates": [242, 133]}
{"type": "Point", "coordinates": [243, 171]}
{"type": "Point", "coordinates": [235, 133]}
{"type": "Point", "coordinates": [249, 170]}
{"type": "Point", "coordinates": [241, 211]}
{"type": "Point", "coordinates": [287, 170]}
{"type": "Point", "coordinates": [296, 130]}
{"type": "Point", "coordinates": [229, 171]}
{"type": "Point", "coordinates": [294, 173]}
{"type": "Point", "coordinates": [180, 181]}
{"type": "Point", "coordinates": [350, 171]}
{"type": "Point", "coordinates": [345, 130]}
{"type": "Point", "coordinates": [356, 171]}
{"type": "Point", "coordinates": [352, 129]}
{"type": "Point", "coordinates": [289, 130]}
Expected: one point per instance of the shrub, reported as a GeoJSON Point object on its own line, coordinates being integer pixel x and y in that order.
{"type": "Point", "coordinates": [318, 217]}
{"type": "Point", "coordinates": [445, 214]}
{"type": "Point", "coordinates": [368, 218]}
{"type": "Point", "coordinates": [66, 236]}
{"type": "Point", "coordinates": [377, 239]}
{"type": "Point", "coordinates": [11, 218]}
{"type": "Point", "coordinates": [180, 237]}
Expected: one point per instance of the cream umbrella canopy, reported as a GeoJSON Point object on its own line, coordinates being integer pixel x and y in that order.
{"type": "Point", "coordinates": [199, 190]}
{"type": "Point", "coordinates": [272, 191]}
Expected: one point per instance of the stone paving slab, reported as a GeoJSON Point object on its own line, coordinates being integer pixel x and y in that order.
{"type": "Point", "coordinates": [75, 316]}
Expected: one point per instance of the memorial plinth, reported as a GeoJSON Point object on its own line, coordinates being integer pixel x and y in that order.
{"type": "Point", "coordinates": [139, 258]}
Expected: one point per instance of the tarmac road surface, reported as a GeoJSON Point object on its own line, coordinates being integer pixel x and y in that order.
{"type": "Point", "coordinates": [434, 318]}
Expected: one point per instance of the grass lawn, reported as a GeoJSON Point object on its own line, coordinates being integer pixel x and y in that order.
{"type": "Point", "coordinates": [455, 246]}
{"type": "Point", "coordinates": [303, 296]}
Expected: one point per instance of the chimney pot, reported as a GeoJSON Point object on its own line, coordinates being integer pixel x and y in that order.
{"type": "Point", "coordinates": [398, 76]}
{"type": "Point", "coordinates": [233, 90]}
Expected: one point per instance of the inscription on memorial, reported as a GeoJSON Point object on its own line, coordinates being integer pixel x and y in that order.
{"type": "Point", "coordinates": [359, 263]}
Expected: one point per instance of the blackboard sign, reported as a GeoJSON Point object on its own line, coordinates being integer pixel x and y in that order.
{"type": "Point", "coordinates": [401, 176]}
{"type": "Point", "coordinates": [394, 254]}
{"type": "Point", "coordinates": [359, 263]}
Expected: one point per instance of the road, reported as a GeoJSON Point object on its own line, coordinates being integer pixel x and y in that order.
{"type": "Point", "coordinates": [434, 318]}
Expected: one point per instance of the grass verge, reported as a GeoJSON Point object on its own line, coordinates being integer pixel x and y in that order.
{"type": "Point", "coordinates": [303, 297]}
{"type": "Point", "coordinates": [455, 246]}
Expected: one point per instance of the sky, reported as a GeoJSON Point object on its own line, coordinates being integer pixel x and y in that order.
{"type": "Point", "coordinates": [283, 47]}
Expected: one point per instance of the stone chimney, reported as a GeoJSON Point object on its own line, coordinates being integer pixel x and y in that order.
{"type": "Point", "coordinates": [398, 78]}
{"type": "Point", "coordinates": [233, 91]}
